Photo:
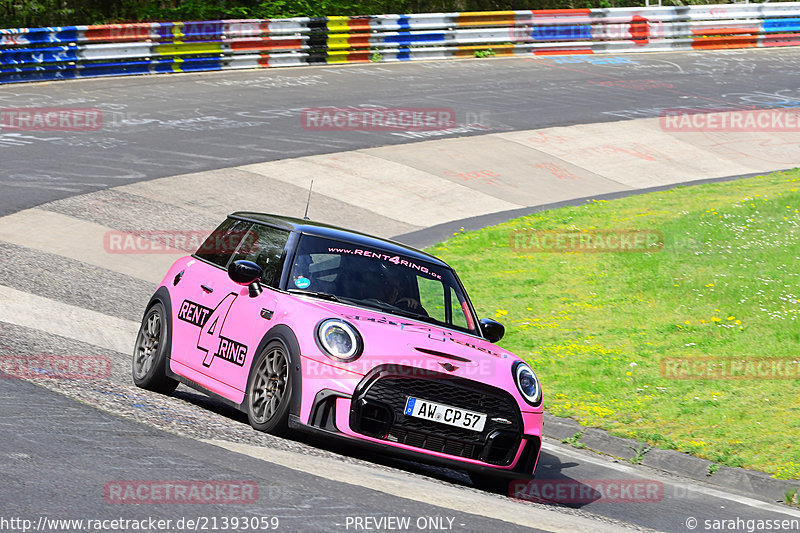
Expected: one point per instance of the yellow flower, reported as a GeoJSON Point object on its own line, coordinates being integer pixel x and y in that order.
{"type": "Point", "coordinates": [731, 317]}
{"type": "Point", "coordinates": [738, 322]}
{"type": "Point", "coordinates": [686, 322]}
{"type": "Point", "coordinates": [715, 319]}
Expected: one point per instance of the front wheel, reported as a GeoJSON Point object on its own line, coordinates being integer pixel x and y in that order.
{"type": "Point", "coordinates": [150, 353]}
{"type": "Point", "coordinates": [269, 390]}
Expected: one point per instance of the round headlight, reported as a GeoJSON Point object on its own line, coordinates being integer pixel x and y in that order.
{"type": "Point", "coordinates": [527, 383]}
{"type": "Point", "coordinates": [339, 340]}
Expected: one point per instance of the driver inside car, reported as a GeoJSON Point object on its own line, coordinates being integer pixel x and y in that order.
{"type": "Point", "coordinates": [398, 294]}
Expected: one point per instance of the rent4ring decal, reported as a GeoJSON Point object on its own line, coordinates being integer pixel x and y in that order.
{"type": "Point", "coordinates": [211, 322]}
{"type": "Point", "coordinates": [386, 257]}
{"type": "Point", "coordinates": [194, 313]}
{"type": "Point", "coordinates": [230, 350]}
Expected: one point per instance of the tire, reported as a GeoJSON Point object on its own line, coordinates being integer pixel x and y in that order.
{"type": "Point", "coordinates": [150, 353]}
{"type": "Point", "coordinates": [490, 483]}
{"type": "Point", "coordinates": [269, 390]}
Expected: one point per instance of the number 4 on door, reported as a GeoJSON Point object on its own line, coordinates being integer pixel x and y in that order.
{"type": "Point", "coordinates": [209, 340]}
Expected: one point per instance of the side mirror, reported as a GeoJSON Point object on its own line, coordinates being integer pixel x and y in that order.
{"type": "Point", "coordinates": [493, 330]}
{"type": "Point", "coordinates": [244, 272]}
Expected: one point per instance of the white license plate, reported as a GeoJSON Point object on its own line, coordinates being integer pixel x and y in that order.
{"type": "Point", "coordinates": [445, 414]}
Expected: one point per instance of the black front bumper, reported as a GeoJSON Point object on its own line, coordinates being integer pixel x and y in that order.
{"type": "Point", "coordinates": [377, 412]}
{"type": "Point", "coordinates": [522, 470]}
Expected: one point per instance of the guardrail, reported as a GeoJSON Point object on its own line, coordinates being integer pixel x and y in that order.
{"type": "Point", "coordinates": [39, 54]}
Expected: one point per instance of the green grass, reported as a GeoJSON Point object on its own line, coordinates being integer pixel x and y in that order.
{"type": "Point", "coordinates": [596, 326]}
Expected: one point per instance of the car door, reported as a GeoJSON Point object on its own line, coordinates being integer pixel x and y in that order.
{"type": "Point", "coordinates": [199, 296]}
{"type": "Point", "coordinates": [228, 341]}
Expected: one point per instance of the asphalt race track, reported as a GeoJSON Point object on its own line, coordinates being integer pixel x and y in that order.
{"type": "Point", "coordinates": [167, 125]}
{"type": "Point", "coordinates": [64, 294]}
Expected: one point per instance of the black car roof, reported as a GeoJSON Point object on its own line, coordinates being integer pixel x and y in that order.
{"type": "Point", "coordinates": [334, 232]}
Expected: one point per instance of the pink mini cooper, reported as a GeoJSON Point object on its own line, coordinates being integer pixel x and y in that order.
{"type": "Point", "coordinates": [315, 328]}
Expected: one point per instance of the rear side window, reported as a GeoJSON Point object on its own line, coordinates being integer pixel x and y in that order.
{"type": "Point", "coordinates": [264, 246]}
{"type": "Point", "coordinates": [223, 241]}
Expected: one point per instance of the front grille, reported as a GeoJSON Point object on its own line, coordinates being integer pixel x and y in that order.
{"type": "Point", "coordinates": [435, 444]}
{"type": "Point", "coordinates": [382, 395]}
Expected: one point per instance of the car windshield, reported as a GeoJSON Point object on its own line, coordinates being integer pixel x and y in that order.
{"type": "Point", "coordinates": [380, 280]}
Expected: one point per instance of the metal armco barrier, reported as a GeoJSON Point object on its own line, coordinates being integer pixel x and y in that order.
{"type": "Point", "coordinates": [39, 54]}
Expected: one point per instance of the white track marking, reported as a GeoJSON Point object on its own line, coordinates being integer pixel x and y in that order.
{"type": "Point", "coordinates": [689, 485]}
{"type": "Point", "coordinates": [425, 491]}
{"type": "Point", "coordinates": [57, 318]}
{"type": "Point", "coordinates": [384, 187]}
{"type": "Point", "coordinates": [639, 154]}
{"type": "Point", "coordinates": [80, 240]}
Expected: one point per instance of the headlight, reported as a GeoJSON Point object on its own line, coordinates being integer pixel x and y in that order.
{"type": "Point", "coordinates": [527, 383]}
{"type": "Point", "coordinates": [339, 340]}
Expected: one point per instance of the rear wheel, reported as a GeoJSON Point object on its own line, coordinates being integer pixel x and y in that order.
{"type": "Point", "coordinates": [269, 390]}
{"type": "Point", "coordinates": [150, 353]}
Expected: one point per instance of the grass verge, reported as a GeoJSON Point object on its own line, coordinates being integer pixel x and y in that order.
{"type": "Point", "coordinates": [613, 336]}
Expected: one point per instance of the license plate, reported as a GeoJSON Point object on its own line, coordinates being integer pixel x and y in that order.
{"type": "Point", "coordinates": [445, 414]}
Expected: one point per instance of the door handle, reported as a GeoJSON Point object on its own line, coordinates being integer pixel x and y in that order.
{"type": "Point", "coordinates": [207, 288]}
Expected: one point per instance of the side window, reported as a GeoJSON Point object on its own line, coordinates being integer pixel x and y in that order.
{"type": "Point", "coordinates": [431, 296]}
{"type": "Point", "coordinates": [264, 247]}
{"type": "Point", "coordinates": [223, 241]}
{"type": "Point", "coordinates": [458, 312]}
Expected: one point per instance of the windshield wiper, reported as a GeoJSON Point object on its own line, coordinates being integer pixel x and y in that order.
{"type": "Point", "coordinates": [389, 308]}
{"type": "Point", "coordinates": [416, 316]}
{"type": "Point", "coordinates": [316, 294]}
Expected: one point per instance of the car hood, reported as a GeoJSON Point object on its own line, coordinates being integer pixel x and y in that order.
{"type": "Point", "coordinates": [392, 339]}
